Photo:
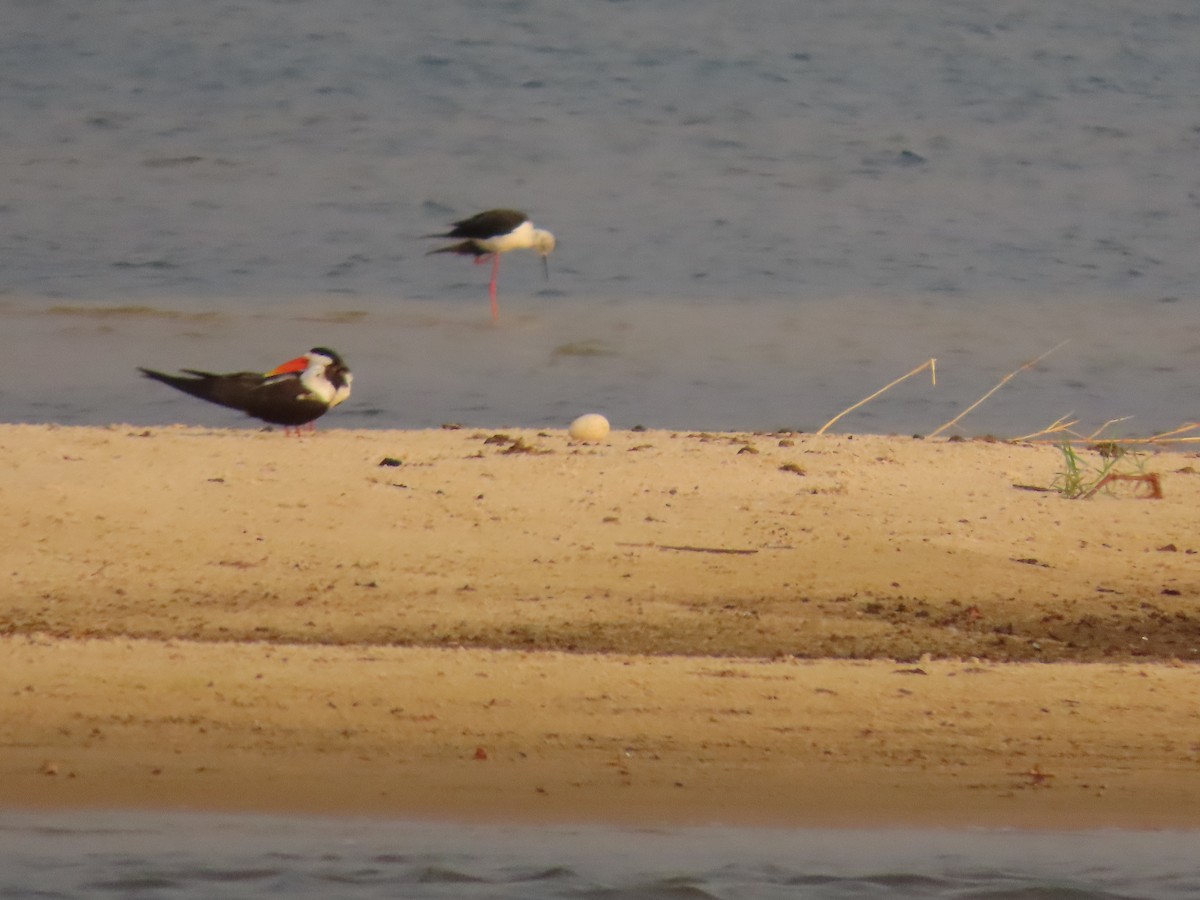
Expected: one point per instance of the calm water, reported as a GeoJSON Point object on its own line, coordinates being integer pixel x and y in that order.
{"type": "Point", "coordinates": [202, 856]}
{"type": "Point", "coordinates": [762, 217]}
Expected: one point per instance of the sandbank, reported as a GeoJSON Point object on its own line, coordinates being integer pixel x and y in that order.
{"type": "Point", "coordinates": [671, 627]}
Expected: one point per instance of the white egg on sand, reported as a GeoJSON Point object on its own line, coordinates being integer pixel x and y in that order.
{"type": "Point", "coordinates": [590, 427]}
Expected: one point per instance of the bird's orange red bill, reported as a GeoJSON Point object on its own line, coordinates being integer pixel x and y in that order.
{"type": "Point", "coordinates": [299, 364]}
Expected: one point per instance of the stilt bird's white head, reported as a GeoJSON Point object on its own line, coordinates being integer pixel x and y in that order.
{"type": "Point", "coordinates": [544, 244]}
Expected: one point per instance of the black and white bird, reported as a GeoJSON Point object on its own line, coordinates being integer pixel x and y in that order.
{"type": "Point", "coordinates": [293, 394]}
{"type": "Point", "coordinates": [492, 233]}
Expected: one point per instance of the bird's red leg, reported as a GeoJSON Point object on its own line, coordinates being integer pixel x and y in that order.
{"type": "Point", "coordinates": [492, 287]}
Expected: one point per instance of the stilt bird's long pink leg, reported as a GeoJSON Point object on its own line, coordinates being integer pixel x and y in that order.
{"type": "Point", "coordinates": [492, 287]}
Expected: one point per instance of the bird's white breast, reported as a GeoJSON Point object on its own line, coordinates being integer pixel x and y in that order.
{"type": "Point", "coordinates": [316, 385]}
{"type": "Point", "coordinates": [520, 238]}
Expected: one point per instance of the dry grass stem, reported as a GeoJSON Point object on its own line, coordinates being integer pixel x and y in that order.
{"type": "Point", "coordinates": [930, 364]}
{"type": "Point", "coordinates": [1150, 479]}
{"type": "Point", "coordinates": [1060, 425]}
{"type": "Point", "coordinates": [1095, 435]}
{"type": "Point", "coordinates": [1003, 381]}
{"type": "Point", "coordinates": [1174, 436]}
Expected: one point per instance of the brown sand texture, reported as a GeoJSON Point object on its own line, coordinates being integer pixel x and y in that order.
{"type": "Point", "coordinates": [668, 627]}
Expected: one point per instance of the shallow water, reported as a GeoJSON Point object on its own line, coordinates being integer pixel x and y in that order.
{"type": "Point", "coordinates": [641, 363]}
{"type": "Point", "coordinates": [97, 854]}
{"type": "Point", "coordinates": [762, 218]}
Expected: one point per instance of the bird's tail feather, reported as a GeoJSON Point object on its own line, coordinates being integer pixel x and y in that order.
{"type": "Point", "coordinates": [198, 386]}
{"type": "Point", "coordinates": [466, 248]}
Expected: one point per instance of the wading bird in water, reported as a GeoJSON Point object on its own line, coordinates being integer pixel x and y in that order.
{"type": "Point", "coordinates": [293, 394]}
{"type": "Point", "coordinates": [492, 233]}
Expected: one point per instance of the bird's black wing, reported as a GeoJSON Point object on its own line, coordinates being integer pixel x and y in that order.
{"type": "Point", "coordinates": [233, 390]}
{"type": "Point", "coordinates": [486, 225]}
{"type": "Point", "coordinates": [280, 400]}
{"type": "Point", "coordinates": [283, 400]}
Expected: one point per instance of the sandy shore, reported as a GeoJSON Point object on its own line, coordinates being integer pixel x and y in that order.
{"type": "Point", "coordinates": [767, 629]}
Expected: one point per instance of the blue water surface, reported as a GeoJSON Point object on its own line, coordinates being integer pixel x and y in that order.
{"type": "Point", "coordinates": [762, 217]}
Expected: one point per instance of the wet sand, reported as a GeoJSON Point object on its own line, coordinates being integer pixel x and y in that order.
{"type": "Point", "coordinates": [673, 627]}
